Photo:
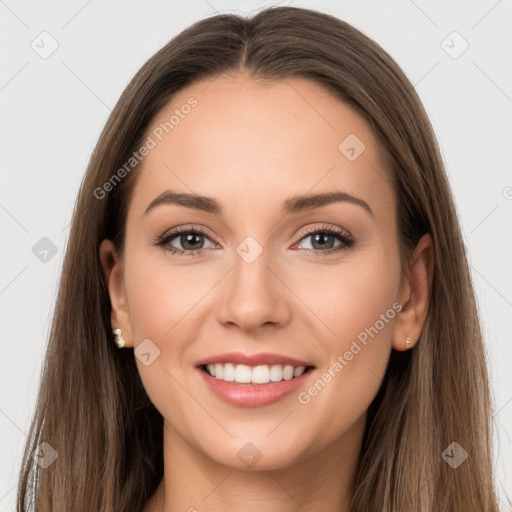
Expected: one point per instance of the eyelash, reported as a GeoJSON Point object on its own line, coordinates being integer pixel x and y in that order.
{"type": "Point", "coordinates": [347, 241]}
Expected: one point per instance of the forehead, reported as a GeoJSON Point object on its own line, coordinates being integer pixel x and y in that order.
{"type": "Point", "coordinates": [247, 142]}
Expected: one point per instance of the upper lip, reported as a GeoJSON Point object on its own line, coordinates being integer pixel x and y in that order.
{"type": "Point", "coordinates": [261, 358]}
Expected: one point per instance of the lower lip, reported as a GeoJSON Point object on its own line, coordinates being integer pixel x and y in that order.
{"type": "Point", "coordinates": [252, 395]}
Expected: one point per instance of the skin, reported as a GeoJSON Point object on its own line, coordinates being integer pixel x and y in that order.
{"type": "Point", "coordinates": [251, 145]}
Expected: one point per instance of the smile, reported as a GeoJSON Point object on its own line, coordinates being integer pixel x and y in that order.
{"type": "Point", "coordinates": [253, 380]}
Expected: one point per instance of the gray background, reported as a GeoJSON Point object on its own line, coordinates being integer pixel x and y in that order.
{"type": "Point", "coordinates": [53, 109]}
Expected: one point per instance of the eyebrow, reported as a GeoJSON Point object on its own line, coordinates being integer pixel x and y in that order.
{"type": "Point", "coordinates": [292, 205]}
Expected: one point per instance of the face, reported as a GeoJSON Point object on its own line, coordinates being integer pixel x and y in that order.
{"type": "Point", "coordinates": [256, 277]}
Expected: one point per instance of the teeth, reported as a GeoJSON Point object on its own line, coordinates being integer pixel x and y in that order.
{"type": "Point", "coordinates": [260, 374]}
{"type": "Point", "coordinates": [242, 373]}
{"type": "Point", "coordinates": [254, 375]}
{"type": "Point", "coordinates": [297, 372]}
{"type": "Point", "coordinates": [228, 372]}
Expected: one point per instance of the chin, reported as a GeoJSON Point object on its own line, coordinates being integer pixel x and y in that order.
{"type": "Point", "coordinates": [258, 452]}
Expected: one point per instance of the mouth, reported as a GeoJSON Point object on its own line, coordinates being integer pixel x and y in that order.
{"type": "Point", "coordinates": [242, 381]}
{"type": "Point", "coordinates": [259, 375]}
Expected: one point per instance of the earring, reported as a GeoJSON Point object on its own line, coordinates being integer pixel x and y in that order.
{"type": "Point", "coordinates": [408, 341]}
{"type": "Point", "coordinates": [118, 338]}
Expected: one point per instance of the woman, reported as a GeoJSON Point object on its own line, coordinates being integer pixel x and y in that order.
{"type": "Point", "coordinates": [267, 233]}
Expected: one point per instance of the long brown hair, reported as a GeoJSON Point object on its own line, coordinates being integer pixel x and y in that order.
{"type": "Point", "coordinates": [92, 407]}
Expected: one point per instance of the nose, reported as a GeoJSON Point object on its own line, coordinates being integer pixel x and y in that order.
{"type": "Point", "coordinates": [254, 294]}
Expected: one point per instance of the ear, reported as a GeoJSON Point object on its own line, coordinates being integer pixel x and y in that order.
{"type": "Point", "coordinates": [113, 271]}
{"type": "Point", "coordinates": [414, 295]}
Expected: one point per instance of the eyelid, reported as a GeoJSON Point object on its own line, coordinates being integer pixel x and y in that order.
{"type": "Point", "coordinates": [324, 227]}
{"type": "Point", "coordinates": [186, 229]}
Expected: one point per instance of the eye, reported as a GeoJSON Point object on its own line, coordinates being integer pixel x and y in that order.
{"type": "Point", "coordinates": [189, 238]}
{"type": "Point", "coordinates": [324, 238]}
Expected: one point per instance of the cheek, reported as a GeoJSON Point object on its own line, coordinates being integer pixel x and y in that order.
{"type": "Point", "coordinates": [162, 299]}
{"type": "Point", "coordinates": [357, 307]}
{"type": "Point", "coordinates": [165, 302]}
{"type": "Point", "coordinates": [160, 296]}
{"type": "Point", "coordinates": [351, 297]}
